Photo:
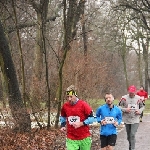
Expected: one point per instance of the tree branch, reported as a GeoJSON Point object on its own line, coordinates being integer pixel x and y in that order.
{"type": "Point", "coordinates": [11, 29]}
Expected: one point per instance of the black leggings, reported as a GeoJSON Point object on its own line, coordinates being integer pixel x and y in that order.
{"type": "Point", "coordinates": [141, 115]}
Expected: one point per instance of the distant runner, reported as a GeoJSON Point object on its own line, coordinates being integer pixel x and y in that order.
{"type": "Point", "coordinates": [144, 95]}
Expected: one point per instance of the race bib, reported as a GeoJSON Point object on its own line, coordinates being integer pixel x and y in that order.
{"type": "Point", "coordinates": [72, 119]}
{"type": "Point", "coordinates": [132, 106]}
{"type": "Point", "coordinates": [109, 120]}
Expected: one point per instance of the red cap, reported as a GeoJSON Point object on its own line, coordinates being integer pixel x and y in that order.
{"type": "Point", "coordinates": [132, 89]}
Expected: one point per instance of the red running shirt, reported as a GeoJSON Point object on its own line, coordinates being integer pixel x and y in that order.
{"type": "Point", "coordinates": [76, 113]}
{"type": "Point", "coordinates": [142, 93]}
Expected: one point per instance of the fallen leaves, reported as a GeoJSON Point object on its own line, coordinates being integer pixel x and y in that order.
{"type": "Point", "coordinates": [35, 140]}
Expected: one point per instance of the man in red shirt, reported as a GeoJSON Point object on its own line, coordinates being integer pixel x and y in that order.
{"type": "Point", "coordinates": [76, 115]}
{"type": "Point", "coordinates": [144, 95]}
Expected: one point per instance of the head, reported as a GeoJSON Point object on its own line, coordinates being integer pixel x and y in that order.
{"type": "Point", "coordinates": [132, 91]}
{"type": "Point", "coordinates": [141, 88]}
{"type": "Point", "coordinates": [71, 94]}
{"type": "Point", "coordinates": [109, 98]}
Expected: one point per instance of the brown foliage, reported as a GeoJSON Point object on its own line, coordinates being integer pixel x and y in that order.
{"type": "Point", "coordinates": [41, 139]}
{"type": "Point", "coordinates": [36, 140]}
{"type": "Point", "coordinates": [93, 74]}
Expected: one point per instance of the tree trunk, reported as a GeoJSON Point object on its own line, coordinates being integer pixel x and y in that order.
{"type": "Point", "coordinates": [145, 57]}
{"type": "Point", "coordinates": [71, 18]}
{"type": "Point", "coordinates": [41, 10]}
{"type": "Point", "coordinates": [21, 54]}
{"type": "Point", "coordinates": [4, 90]}
{"type": "Point", "coordinates": [123, 56]}
{"type": "Point", "coordinates": [139, 64]}
{"type": "Point", "coordinates": [19, 113]}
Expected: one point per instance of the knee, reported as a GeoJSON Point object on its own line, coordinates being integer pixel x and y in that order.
{"type": "Point", "coordinates": [107, 147]}
{"type": "Point", "coordinates": [132, 136]}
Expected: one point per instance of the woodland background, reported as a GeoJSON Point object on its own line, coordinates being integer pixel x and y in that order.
{"type": "Point", "coordinates": [47, 45]}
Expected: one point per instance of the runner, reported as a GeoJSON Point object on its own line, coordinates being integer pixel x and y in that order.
{"type": "Point", "coordinates": [144, 95]}
{"type": "Point", "coordinates": [130, 105]}
{"type": "Point", "coordinates": [76, 115]}
{"type": "Point", "coordinates": [109, 116]}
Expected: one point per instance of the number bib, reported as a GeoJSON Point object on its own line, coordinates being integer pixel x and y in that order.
{"type": "Point", "coordinates": [109, 120]}
{"type": "Point", "coordinates": [132, 106]}
{"type": "Point", "coordinates": [72, 119]}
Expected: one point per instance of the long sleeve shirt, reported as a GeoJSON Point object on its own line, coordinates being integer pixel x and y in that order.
{"type": "Point", "coordinates": [78, 112]}
{"type": "Point", "coordinates": [143, 94]}
{"type": "Point", "coordinates": [134, 103]}
{"type": "Point", "coordinates": [107, 113]}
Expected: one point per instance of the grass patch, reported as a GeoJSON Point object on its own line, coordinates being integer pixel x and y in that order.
{"type": "Point", "coordinates": [95, 103]}
{"type": "Point", "coordinates": [147, 106]}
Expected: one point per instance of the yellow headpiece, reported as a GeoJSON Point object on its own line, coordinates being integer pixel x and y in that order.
{"type": "Point", "coordinates": [70, 93]}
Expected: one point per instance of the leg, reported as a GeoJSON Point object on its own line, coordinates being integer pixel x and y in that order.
{"type": "Point", "coordinates": [109, 147]}
{"type": "Point", "coordinates": [104, 142]}
{"type": "Point", "coordinates": [85, 144]}
{"type": "Point", "coordinates": [111, 141]}
{"type": "Point", "coordinates": [72, 144]}
{"type": "Point", "coordinates": [141, 116]}
{"type": "Point", "coordinates": [134, 128]}
{"type": "Point", "coordinates": [128, 130]}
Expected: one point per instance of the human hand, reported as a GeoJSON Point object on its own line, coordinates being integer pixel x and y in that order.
{"type": "Point", "coordinates": [128, 110]}
{"type": "Point", "coordinates": [137, 112]}
{"type": "Point", "coordinates": [115, 123]}
{"type": "Point", "coordinates": [63, 129]}
{"type": "Point", "coordinates": [103, 122]}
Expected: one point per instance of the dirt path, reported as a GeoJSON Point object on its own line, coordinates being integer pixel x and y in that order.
{"type": "Point", "coordinates": [142, 136]}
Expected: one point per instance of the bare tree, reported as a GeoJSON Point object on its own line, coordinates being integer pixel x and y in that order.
{"type": "Point", "coordinates": [142, 10]}
{"type": "Point", "coordinates": [18, 110]}
{"type": "Point", "coordinates": [71, 18]}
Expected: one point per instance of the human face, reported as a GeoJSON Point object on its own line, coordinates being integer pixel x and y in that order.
{"type": "Point", "coordinates": [141, 88]}
{"type": "Point", "coordinates": [131, 95]}
{"type": "Point", "coordinates": [71, 99]}
{"type": "Point", "coordinates": [109, 99]}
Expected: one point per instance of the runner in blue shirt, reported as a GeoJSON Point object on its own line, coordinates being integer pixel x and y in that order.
{"type": "Point", "coordinates": [109, 116]}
